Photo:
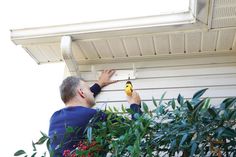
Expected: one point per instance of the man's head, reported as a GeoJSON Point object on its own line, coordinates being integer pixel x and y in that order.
{"type": "Point", "coordinates": [75, 90]}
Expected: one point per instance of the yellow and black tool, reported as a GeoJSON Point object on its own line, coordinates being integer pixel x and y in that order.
{"type": "Point", "coordinates": [128, 88]}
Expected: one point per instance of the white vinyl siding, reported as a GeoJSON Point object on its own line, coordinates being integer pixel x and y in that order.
{"type": "Point", "coordinates": [173, 76]}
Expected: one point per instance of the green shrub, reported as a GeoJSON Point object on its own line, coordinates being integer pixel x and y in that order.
{"type": "Point", "coordinates": [187, 127]}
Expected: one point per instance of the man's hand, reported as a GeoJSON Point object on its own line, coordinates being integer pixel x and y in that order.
{"type": "Point", "coordinates": [134, 98]}
{"type": "Point", "coordinates": [105, 78]}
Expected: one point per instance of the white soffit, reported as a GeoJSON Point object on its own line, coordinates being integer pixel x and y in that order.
{"type": "Point", "coordinates": [139, 47]}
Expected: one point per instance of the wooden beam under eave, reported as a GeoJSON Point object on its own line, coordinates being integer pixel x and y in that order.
{"type": "Point", "coordinates": [66, 50]}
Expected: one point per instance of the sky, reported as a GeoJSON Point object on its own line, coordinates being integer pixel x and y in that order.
{"type": "Point", "coordinates": [30, 92]}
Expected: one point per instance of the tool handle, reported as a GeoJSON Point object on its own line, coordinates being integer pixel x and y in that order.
{"type": "Point", "coordinates": [128, 88]}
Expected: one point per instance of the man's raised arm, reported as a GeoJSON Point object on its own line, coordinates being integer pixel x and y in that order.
{"type": "Point", "coordinates": [104, 80]}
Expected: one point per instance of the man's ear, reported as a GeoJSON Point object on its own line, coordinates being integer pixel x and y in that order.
{"type": "Point", "coordinates": [81, 93]}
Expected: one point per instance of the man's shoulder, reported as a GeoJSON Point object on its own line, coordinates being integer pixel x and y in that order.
{"type": "Point", "coordinates": [73, 110]}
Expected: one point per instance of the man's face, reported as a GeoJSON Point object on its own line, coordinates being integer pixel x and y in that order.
{"type": "Point", "coordinates": [88, 95]}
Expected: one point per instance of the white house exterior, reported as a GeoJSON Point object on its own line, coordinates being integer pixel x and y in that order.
{"type": "Point", "coordinates": [177, 53]}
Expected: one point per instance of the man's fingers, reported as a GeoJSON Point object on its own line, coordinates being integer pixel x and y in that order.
{"type": "Point", "coordinates": [105, 77]}
{"type": "Point", "coordinates": [111, 72]}
{"type": "Point", "coordinates": [134, 98]}
{"type": "Point", "coordinates": [134, 93]}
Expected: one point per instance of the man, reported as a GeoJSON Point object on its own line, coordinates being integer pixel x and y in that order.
{"type": "Point", "coordinates": [79, 100]}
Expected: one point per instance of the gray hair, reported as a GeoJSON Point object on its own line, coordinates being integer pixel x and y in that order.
{"type": "Point", "coordinates": [68, 88]}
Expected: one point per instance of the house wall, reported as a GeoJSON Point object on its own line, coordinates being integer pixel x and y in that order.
{"type": "Point", "coordinates": [173, 76]}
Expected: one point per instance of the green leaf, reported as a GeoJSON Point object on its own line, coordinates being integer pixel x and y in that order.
{"type": "Point", "coordinates": [33, 155]}
{"type": "Point", "coordinates": [228, 102]}
{"type": "Point", "coordinates": [180, 100]}
{"type": "Point", "coordinates": [225, 114]}
{"type": "Point", "coordinates": [130, 111]}
{"type": "Point", "coordinates": [41, 140]}
{"type": "Point", "coordinates": [130, 148]}
{"type": "Point", "coordinates": [193, 148]}
{"type": "Point", "coordinates": [77, 151]}
{"type": "Point", "coordinates": [115, 109]}
{"type": "Point", "coordinates": [219, 131]}
{"type": "Point", "coordinates": [69, 129]}
{"type": "Point", "coordinates": [154, 101]}
{"type": "Point", "coordinates": [33, 145]}
{"type": "Point", "coordinates": [110, 109]}
{"type": "Point", "coordinates": [19, 152]}
{"type": "Point", "coordinates": [48, 144]}
{"type": "Point", "coordinates": [199, 105]}
{"type": "Point", "coordinates": [145, 107]}
{"type": "Point", "coordinates": [149, 151]}
{"type": "Point", "coordinates": [189, 105]}
{"type": "Point", "coordinates": [232, 115]}
{"type": "Point", "coordinates": [212, 112]}
{"type": "Point", "coordinates": [123, 108]}
{"type": "Point", "coordinates": [121, 138]}
{"type": "Point", "coordinates": [173, 103]}
{"type": "Point", "coordinates": [52, 153]}
{"type": "Point", "coordinates": [173, 144]}
{"type": "Point", "coordinates": [206, 104]}
{"type": "Point", "coordinates": [198, 94]}
{"type": "Point", "coordinates": [89, 134]}
{"type": "Point", "coordinates": [137, 147]}
{"type": "Point", "coordinates": [160, 110]}
{"type": "Point", "coordinates": [229, 133]}
{"type": "Point", "coordinates": [183, 139]}
{"type": "Point", "coordinates": [162, 97]}
{"type": "Point", "coordinates": [136, 115]}
{"type": "Point", "coordinates": [43, 134]}
{"type": "Point", "coordinates": [197, 108]}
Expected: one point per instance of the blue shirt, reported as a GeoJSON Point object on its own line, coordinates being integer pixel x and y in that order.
{"type": "Point", "coordinates": [76, 117]}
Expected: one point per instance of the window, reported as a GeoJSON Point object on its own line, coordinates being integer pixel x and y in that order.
{"type": "Point", "coordinates": [115, 16]}
{"type": "Point", "coordinates": [121, 9]}
{"type": "Point", "coordinates": [54, 12]}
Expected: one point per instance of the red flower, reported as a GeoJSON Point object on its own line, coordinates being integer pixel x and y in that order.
{"type": "Point", "coordinates": [66, 153]}
{"type": "Point", "coordinates": [73, 155]}
{"type": "Point", "coordinates": [81, 146]}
